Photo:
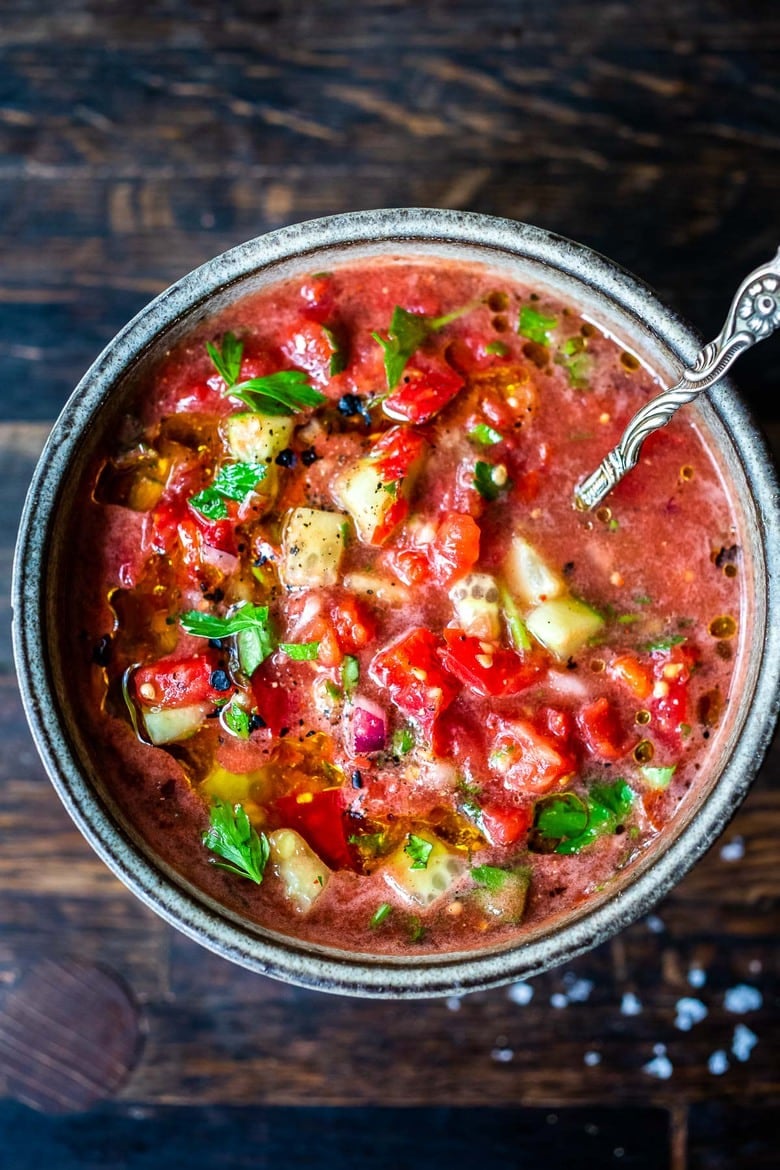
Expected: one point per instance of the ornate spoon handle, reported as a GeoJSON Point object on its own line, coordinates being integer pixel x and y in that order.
{"type": "Point", "coordinates": [753, 316]}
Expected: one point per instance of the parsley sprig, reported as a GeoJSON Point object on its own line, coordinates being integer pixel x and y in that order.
{"type": "Point", "coordinates": [284, 392]}
{"type": "Point", "coordinates": [406, 333]}
{"type": "Point", "coordinates": [239, 848]}
{"type": "Point", "coordinates": [419, 850]}
{"type": "Point", "coordinates": [534, 325]}
{"type": "Point", "coordinates": [250, 624]}
{"type": "Point", "coordinates": [233, 481]}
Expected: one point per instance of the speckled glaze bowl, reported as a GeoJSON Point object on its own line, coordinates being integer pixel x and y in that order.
{"type": "Point", "coordinates": [619, 304]}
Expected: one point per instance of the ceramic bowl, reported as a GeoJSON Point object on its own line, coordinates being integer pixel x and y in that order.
{"type": "Point", "coordinates": [594, 286]}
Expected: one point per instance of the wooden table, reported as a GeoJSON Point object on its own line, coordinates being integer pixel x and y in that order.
{"type": "Point", "coordinates": [135, 142]}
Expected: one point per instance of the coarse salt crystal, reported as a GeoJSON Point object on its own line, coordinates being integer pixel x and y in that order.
{"type": "Point", "coordinates": [742, 998]}
{"type": "Point", "coordinates": [718, 1063]}
{"type": "Point", "coordinates": [689, 1012]}
{"type": "Point", "coordinates": [520, 993]}
{"type": "Point", "coordinates": [743, 1043]}
{"type": "Point", "coordinates": [733, 850]}
{"type": "Point", "coordinates": [660, 1067]}
{"type": "Point", "coordinates": [630, 1004]}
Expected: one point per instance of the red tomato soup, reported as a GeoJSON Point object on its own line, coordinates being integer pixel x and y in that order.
{"type": "Point", "coordinates": [351, 661]}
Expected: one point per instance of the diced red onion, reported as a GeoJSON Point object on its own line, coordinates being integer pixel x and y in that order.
{"type": "Point", "coordinates": [224, 561]}
{"type": "Point", "coordinates": [369, 726]}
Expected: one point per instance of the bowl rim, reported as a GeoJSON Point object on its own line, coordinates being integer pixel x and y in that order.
{"type": "Point", "coordinates": [289, 959]}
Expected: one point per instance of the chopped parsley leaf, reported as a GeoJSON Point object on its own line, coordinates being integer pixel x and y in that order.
{"type": "Point", "coordinates": [566, 823]}
{"type": "Point", "coordinates": [406, 333]}
{"type": "Point", "coordinates": [485, 481]}
{"type": "Point", "coordinates": [403, 741]}
{"type": "Point", "coordinates": [489, 876]}
{"type": "Point", "coordinates": [663, 643]}
{"type": "Point", "coordinates": [227, 359]}
{"type": "Point", "coordinates": [233, 481]}
{"type": "Point", "coordinates": [339, 359]}
{"type": "Point", "coordinates": [535, 325]}
{"type": "Point", "coordinates": [284, 392]}
{"type": "Point", "coordinates": [231, 836]}
{"type": "Point", "coordinates": [419, 850]}
{"type": "Point", "coordinates": [380, 914]}
{"type": "Point", "coordinates": [251, 625]}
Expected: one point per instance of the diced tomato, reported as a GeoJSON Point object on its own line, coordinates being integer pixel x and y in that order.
{"type": "Point", "coordinates": [354, 625]}
{"type": "Point", "coordinates": [396, 452]}
{"type": "Point", "coordinates": [178, 683]}
{"type": "Point", "coordinates": [428, 384]}
{"type": "Point", "coordinates": [559, 723]}
{"type": "Point", "coordinates": [393, 515]}
{"type": "Point", "coordinates": [669, 704]}
{"type": "Point", "coordinates": [318, 296]}
{"type": "Point", "coordinates": [504, 825]}
{"type": "Point", "coordinates": [488, 669]}
{"type": "Point", "coordinates": [271, 699]}
{"type": "Point", "coordinates": [309, 348]}
{"type": "Point", "coordinates": [455, 548]}
{"type": "Point", "coordinates": [321, 819]}
{"type": "Point", "coordinates": [217, 533]}
{"type": "Point", "coordinates": [602, 730]}
{"type": "Point", "coordinates": [410, 565]}
{"type": "Point", "coordinates": [525, 758]}
{"type": "Point", "coordinates": [410, 670]}
{"type": "Point", "coordinates": [636, 675]}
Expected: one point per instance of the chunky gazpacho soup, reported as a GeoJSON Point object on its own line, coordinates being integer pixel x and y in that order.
{"type": "Point", "coordinates": [353, 662]}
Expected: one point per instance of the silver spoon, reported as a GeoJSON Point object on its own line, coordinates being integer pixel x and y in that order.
{"type": "Point", "coordinates": [753, 316]}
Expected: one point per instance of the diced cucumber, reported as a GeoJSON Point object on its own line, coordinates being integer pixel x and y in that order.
{"type": "Point", "coordinates": [378, 587]}
{"type": "Point", "coordinates": [258, 438]}
{"type": "Point", "coordinates": [298, 868]}
{"type": "Point", "coordinates": [312, 547]}
{"type": "Point", "coordinates": [425, 885]}
{"type": "Point", "coordinates": [173, 723]}
{"type": "Point", "coordinates": [657, 778]}
{"type": "Point", "coordinates": [475, 599]}
{"type": "Point", "coordinates": [501, 894]}
{"type": "Point", "coordinates": [529, 577]}
{"type": "Point", "coordinates": [368, 498]}
{"type": "Point", "coordinates": [564, 625]}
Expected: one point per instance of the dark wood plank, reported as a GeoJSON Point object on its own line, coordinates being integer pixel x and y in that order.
{"type": "Point", "coordinates": [350, 1139]}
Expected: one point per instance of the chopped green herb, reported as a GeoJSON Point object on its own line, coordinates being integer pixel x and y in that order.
{"type": "Point", "coordinates": [380, 914]}
{"type": "Point", "coordinates": [613, 525]}
{"type": "Point", "coordinates": [300, 651]}
{"type": "Point", "coordinates": [628, 619]}
{"type": "Point", "coordinates": [391, 488]}
{"type": "Point", "coordinates": [485, 480]}
{"type": "Point", "coordinates": [284, 392]}
{"type": "Point", "coordinates": [403, 741]}
{"type": "Point", "coordinates": [643, 599]}
{"type": "Point", "coordinates": [236, 719]}
{"type": "Point", "coordinates": [333, 691]}
{"type": "Point", "coordinates": [247, 620]}
{"type": "Point", "coordinates": [233, 481]}
{"type": "Point", "coordinates": [405, 335]}
{"type": "Point", "coordinates": [489, 876]}
{"type": "Point", "coordinates": [567, 823]}
{"type": "Point", "coordinates": [499, 348]}
{"type": "Point", "coordinates": [663, 643]}
{"type": "Point", "coordinates": [578, 368]}
{"type": "Point", "coordinates": [368, 842]}
{"type": "Point", "coordinates": [350, 673]}
{"type": "Point", "coordinates": [416, 929]}
{"type": "Point", "coordinates": [516, 627]}
{"type": "Point", "coordinates": [339, 358]}
{"type": "Point", "coordinates": [232, 837]}
{"type": "Point", "coordinates": [484, 435]}
{"type": "Point", "coordinates": [419, 850]}
{"type": "Point", "coordinates": [535, 325]}
{"type": "Point", "coordinates": [227, 360]}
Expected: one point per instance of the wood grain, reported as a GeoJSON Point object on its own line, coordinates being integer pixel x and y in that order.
{"type": "Point", "coordinates": [135, 143]}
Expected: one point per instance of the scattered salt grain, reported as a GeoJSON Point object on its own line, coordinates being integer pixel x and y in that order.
{"type": "Point", "coordinates": [558, 1000]}
{"type": "Point", "coordinates": [733, 850]}
{"type": "Point", "coordinates": [660, 1066]}
{"type": "Point", "coordinates": [577, 990]}
{"type": "Point", "coordinates": [630, 1004]}
{"type": "Point", "coordinates": [453, 1003]}
{"type": "Point", "coordinates": [520, 993]}
{"type": "Point", "coordinates": [502, 1055]}
{"type": "Point", "coordinates": [592, 1059]}
{"type": "Point", "coordinates": [743, 1043]}
{"type": "Point", "coordinates": [742, 998]}
{"type": "Point", "coordinates": [655, 924]}
{"type": "Point", "coordinates": [718, 1063]}
{"type": "Point", "coordinates": [755, 967]}
{"type": "Point", "coordinates": [697, 977]}
{"type": "Point", "coordinates": [689, 1012]}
